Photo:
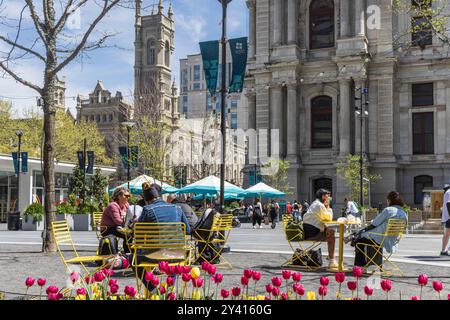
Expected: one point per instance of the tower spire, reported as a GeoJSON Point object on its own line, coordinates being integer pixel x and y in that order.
{"type": "Point", "coordinates": [160, 7]}
{"type": "Point", "coordinates": [170, 13]}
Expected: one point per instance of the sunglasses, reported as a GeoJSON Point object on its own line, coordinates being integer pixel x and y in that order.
{"type": "Point", "coordinates": [127, 196]}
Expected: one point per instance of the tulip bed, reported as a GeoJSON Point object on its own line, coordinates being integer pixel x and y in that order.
{"type": "Point", "coordinates": [184, 282]}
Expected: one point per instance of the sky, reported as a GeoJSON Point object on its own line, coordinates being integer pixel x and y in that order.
{"type": "Point", "coordinates": [195, 21]}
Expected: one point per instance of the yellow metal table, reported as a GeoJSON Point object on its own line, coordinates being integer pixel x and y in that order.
{"type": "Point", "coordinates": [341, 225]}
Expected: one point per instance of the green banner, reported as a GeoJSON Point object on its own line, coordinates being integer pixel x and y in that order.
{"type": "Point", "coordinates": [238, 48]}
{"type": "Point", "coordinates": [210, 56]}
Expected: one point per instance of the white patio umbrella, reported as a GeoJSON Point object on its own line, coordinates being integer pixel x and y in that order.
{"type": "Point", "coordinates": [210, 185]}
{"type": "Point", "coordinates": [262, 190]}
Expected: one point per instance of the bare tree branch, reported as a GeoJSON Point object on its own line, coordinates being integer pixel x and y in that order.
{"type": "Point", "coordinates": [19, 79]}
{"type": "Point", "coordinates": [37, 22]}
{"type": "Point", "coordinates": [15, 44]}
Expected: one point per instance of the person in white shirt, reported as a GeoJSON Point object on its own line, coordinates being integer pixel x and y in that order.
{"type": "Point", "coordinates": [351, 208]}
{"type": "Point", "coordinates": [446, 220]}
{"type": "Point", "coordinates": [313, 223]}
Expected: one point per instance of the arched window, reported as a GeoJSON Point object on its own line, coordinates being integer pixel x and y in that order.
{"type": "Point", "coordinates": [151, 52]}
{"type": "Point", "coordinates": [321, 122]}
{"type": "Point", "coordinates": [321, 24]}
{"type": "Point", "coordinates": [421, 183]}
{"type": "Point", "coordinates": [167, 55]}
{"type": "Point", "coordinates": [322, 183]}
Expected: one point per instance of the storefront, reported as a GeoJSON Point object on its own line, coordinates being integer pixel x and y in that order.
{"type": "Point", "coordinates": [31, 184]}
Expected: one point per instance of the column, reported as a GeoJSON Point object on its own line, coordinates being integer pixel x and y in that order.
{"type": "Point", "coordinates": [292, 22]}
{"type": "Point", "coordinates": [344, 117]}
{"type": "Point", "coordinates": [277, 22]}
{"type": "Point", "coordinates": [358, 84]}
{"type": "Point", "coordinates": [251, 102]}
{"type": "Point", "coordinates": [251, 5]}
{"type": "Point", "coordinates": [292, 125]}
{"type": "Point", "coordinates": [344, 18]}
{"type": "Point", "coordinates": [360, 21]}
{"type": "Point", "coordinates": [276, 120]}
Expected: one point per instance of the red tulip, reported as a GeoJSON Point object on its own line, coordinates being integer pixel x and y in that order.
{"type": "Point", "coordinates": [52, 296]}
{"type": "Point", "coordinates": [297, 287]}
{"type": "Point", "coordinates": [248, 273]}
{"type": "Point", "coordinates": [277, 281]}
{"type": "Point", "coordinates": [339, 277]}
{"type": "Point", "coordinates": [296, 276]}
{"type": "Point", "coordinates": [197, 283]}
{"type": "Point", "coordinates": [205, 265]}
{"type": "Point", "coordinates": [256, 275]}
{"type": "Point", "coordinates": [172, 296]}
{"type": "Point", "coordinates": [269, 288]}
{"type": "Point", "coordinates": [357, 272]}
{"type": "Point", "coordinates": [186, 269]}
{"type": "Point", "coordinates": [448, 296]}
{"type": "Point", "coordinates": [284, 296]}
{"type": "Point", "coordinates": [130, 291]}
{"type": "Point", "coordinates": [324, 281]}
{"type": "Point", "coordinates": [415, 298]}
{"type": "Point", "coordinates": [52, 289]}
{"type": "Point", "coordinates": [438, 286]}
{"type": "Point", "coordinates": [276, 291]}
{"type": "Point", "coordinates": [356, 298]}
{"type": "Point", "coordinates": [29, 281]}
{"type": "Point", "coordinates": [236, 291]}
{"type": "Point", "coordinates": [125, 263]}
{"type": "Point", "coordinates": [212, 269]}
{"type": "Point", "coordinates": [170, 281]}
{"type": "Point", "coordinates": [99, 277]}
{"type": "Point", "coordinates": [112, 282]}
{"type": "Point", "coordinates": [368, 291]}
{"type": "Point", "coordinates": [217, 278]}
{"type": "Point", "coordinates": [81, 291]}
{"type": "Point", "coordinates": [322, 291]}
{"type": "Point", "coordinates": [286, 274]}
{"type": "Point", "coordinates": [178, 269]}
{"type": "Point", "coordinates": [162, 290]}
{"type": "Point", "coordinates": [108, 272]}
{"type": "Point", "coordinates": [244, 281]}
{"type": "Point", "coordinates": [224, 293]}
{"type": "Point", "coordinates": [386, 285]}
{"type": "Point", "coordinates": [352, 285]}
{"type": "Point", "coordinates": [170, 270]}
{"type": "Point", "coordinates": [154, 281]}
{"type": "Point", "coordinates": [149, 276]}
{"type": "Point", "coordinates": [423, 280]}
{"type": "Point", "coordinates": [301, 291]}
{"type": "Point", "coordinates": [114, 289]}
{"type": "Point", "coordinates": [163, 266]}
{"type": "Point", "coordinates": [186, 277]}
{"type": "Point", "coordinates": [88, 279]}
{"type": "Point", "coordinates": [41, 282]}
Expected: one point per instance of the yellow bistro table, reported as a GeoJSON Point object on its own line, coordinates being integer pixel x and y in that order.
{"type": "Point", "coordinates": [341, 225]}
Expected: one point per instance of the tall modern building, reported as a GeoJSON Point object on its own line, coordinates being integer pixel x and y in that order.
{"type": "Point", "coordinates": [309, 60]}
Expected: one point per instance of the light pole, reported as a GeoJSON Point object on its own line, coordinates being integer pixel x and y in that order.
{"type": "Point", "coordinates": [362, 113]}
{"type": "Point", "coordinates": [19, 134]}
{"type": "Point", "coordinates": [223, 92]}
{"type": "Point", "coordinates": [129, 125]}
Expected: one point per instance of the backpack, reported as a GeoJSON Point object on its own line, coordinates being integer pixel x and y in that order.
{"type": "Point", "coordinates": [108, 245]}
{"type": "Point", "coordinates": [257, 211]}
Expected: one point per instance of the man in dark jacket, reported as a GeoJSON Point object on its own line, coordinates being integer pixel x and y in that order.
{"type": "Point", "coordinates": [187, 210]}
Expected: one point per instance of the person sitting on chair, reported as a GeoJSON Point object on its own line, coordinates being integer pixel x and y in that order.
{"type": "Point", "coordinates": [314, 227]}
{"type": "Point", "coordinates": [373, 233]}
{"type": "Point", "coordinates": [351, 208]}
{"type": "Point", "coordinates": [113, 218]}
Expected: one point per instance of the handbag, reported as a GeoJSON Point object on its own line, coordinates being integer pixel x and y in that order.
{"type": "Point", "coordinates": [310, 258]}
{"type": "Point", "coordinates": [294, 231]}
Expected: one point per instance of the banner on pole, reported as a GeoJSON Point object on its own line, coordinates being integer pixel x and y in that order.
{"type": "Point", "coordinates": [24, 162]}
{"type": "Point", "coordinates": [239, 49]}
{"type": "Point", "coordinates": [16, 163]}
{"type": "Point", "coordinates": [134, 153]}
{"type": "Point", "coordinates": [210, 57]}
{"type": "Point", "coordinates": [90, 167]}
{"type": "Point", "coordinates": [124, 156]}
{"type": "Point", "coordinates": [81, 162]}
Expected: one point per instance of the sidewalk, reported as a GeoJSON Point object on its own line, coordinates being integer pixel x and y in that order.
{"type": "Point", "coordinates": [18, 262]}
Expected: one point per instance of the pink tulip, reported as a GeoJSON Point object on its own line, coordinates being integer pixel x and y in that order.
{"type": "Point", "coordinates": [163, 266]}
{"type": "Point", "coordinates": [41, 282]}
{"type": "Point", "coordinates": [296, 276]}
{"type": "Point", "coordinates": [448, 296]}
{"type": "Point", "coordinates": [324, 281]}
{"type": "Point", "coordinates": [438, 286]}
{"type": "Point", "coordinates": [149, 276]}
{"type": "Point", "coordinates": [386, 285]}
{"type": "Point", "coordinates": [205, 265]}
{"type": "Point", "coordinates": [248, 273]}
{"type": "Point", "coordinates": [74, 277]}
{"type": "Point", "coordinates": [108, 273]}
{"type": "Point", "coordinates": [286, 274]}
{"type": "Point", "coordinates": [339, 277]}
{"type": "Point", "coordinates": [197, 283]}
{"type": "Point", "coordinates": [415, 298]}
{"type": "Point", "coordinates": [277, 281]}
{"type": "Point", "coordinates": [154, 281]}
{"type": "Point", "coordinates": [212, 269]}
{"type": "Point", "coordinates": [357, 272]}
{"type": "Point", "coordinates": [256, 276]}
{"type": "Point", "coordinates": [224, 293]}
{"type": "Point", "coordinates": [112, 282]}
{"type": "Point", "coordinates": [29, 281]}
{"type": "Point", "coordinates": [172, 296]}
{"type": "Point", "coordinates": [352, 285]}
{"type": "Point", "coordinates": [170, 281]}
{"type": "Point", "coordinates": [178, 269]}
{"type": "Point", "coordinates": [276, 291]}
{"type": "Point", "coordinates": [52, 289]}
{"type": "Point", "coordinates": [217, 278]}
{"type": "Point", "coordinates": [297, 287]}
{"type": "Point", "coordinates": [236, 291]}
{"type": "Point", "coordinates": [186, 269]}
{"type": "Point", "coordinates": [244, 281]}
{"type": "Point", "coordinates": [125, 263]}
{"type": "Point", "coordinates": [301, 291]}
{"type": "Point", "coordinates": [52, 296]}
{"type": "Point", "coordinates": [99, 277]}
{"type": "Point", "coordinates": [322, 291]}
{"type": "Point", "coordinates": [170, 270]}
{"type": "Point", "coordinates": [88, 279]}
{"type": "Point", "coordinates": [81, 291]}
{"type": "Point", "coordinates": [114, 289]}
{"type": "Point", "coordinates": [186, 277]}
{"type": "Point", "coordinates": [284, 296]}
{"type": "Point", "coordinates": [267, 298]}
{"type": "Point", "coordinates": [130, 291]}
{"type": "Point", "coordinates": [162, 290]}
{"type": "Point", "coordinates": [368, 290]}
{"type": "Point", "coordinates": [269, 288]}
{"type": "Point", "coordinates": [423, 280]}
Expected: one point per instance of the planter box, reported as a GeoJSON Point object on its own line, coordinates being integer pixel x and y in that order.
{"type": "Point", "coordinates": [60, 217]}
{"type": "Point", "coordinates": [82, 222]}
{"type": "Point", "coordinates": [31, 226]}
{"type": "Point", "coordinates": [69, 218]}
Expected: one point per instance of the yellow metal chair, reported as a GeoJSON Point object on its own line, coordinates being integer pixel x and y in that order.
{"type": "Point", "coordinates": [61, 233]}
{"type": "Point", "coordinates": [215, 239]}
{"type": "Point", "coordinates": [301, 248]}
{"type": "Point", "coordinates": [395, 228]}
{"type": "Point", "coordinates": [96, 219]}
{"type": "Point", "coordinates": [165, 241]}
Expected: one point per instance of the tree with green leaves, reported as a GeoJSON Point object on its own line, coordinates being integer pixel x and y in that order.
{"type": "Point", "coordinates": [277, 178]}
{"type": "Point", "coordinates": [99, 184]}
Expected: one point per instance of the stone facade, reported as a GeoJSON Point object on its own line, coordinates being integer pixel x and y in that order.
{"type": "Point", "coordinates": [285, 75]}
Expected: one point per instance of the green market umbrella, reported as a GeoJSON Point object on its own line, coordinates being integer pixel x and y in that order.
{"type": "Point", "coordinates": [262, 190]}
{"type": "Point", "coordinates": [136, 185]}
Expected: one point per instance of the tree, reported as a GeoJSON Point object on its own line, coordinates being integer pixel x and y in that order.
{"type": "Point", "coordinates": [99, 184]}
{"type": "Point", "coordinates": [76, 182]}
{"type": "Point", "coordinates": [54, 50]}
{"type": "Point", "coordinates": [278, 179]}
{"type": "Point", "coordinates": [349, 170]}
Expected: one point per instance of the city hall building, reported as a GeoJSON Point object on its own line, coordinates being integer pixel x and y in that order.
{"type": "Point", "coordinates": [308, 61]}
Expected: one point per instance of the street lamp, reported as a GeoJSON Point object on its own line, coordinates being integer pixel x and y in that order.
{"type": "Point", "coordinates": [362, 113]}
{"type": "Point", "coordinates": [129, 125]}
{"type": "Point", "coordinates": [19, 134]}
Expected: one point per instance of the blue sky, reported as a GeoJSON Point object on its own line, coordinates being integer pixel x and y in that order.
{"type": "Point", "coordinates": [195, 20]}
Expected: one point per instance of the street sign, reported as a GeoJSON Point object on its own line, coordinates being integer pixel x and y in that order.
{"type": "Point", "coordinates": [90, 167]}
{"type": "Point", "coordinates": [24, 161]}
{"type": "Point", "coordinates": [81, 162]}
{"type": "Point", "coordinates": [16, 163]}
{"type": "Point", "coordinates": [238, 48]}
{"type": "Point", "coordinates": [124, 156]}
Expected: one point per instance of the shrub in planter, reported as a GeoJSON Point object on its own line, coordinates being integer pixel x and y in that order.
{"type": "Point", "coordinates": [35, 211]}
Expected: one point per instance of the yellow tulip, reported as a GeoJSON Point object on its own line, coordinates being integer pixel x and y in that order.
{"type": "Point", "coordinates": [339, 295]}
{"type": "Point", "coordinates": [80, 297]}
{"type": "Point", "coordinates": [348, 299]}
{"type": "Point", "coordinates": [195, 273]}
{"type": "Point", "coordinates": [154, 297]}
{"type": "Point", "coordinates": [163, 284]}
{"type": "Point", "coordinates": [196, 295]}
{"type": "Point", "coordinates": [112, 297]}
{"type": "Point", "coordinates": [311, 295]}
{"type": "Point", "coordinates": [261, 297]}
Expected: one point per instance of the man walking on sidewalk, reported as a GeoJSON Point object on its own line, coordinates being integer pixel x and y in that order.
{"type": "Point", "coordinates": [446, 220]}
